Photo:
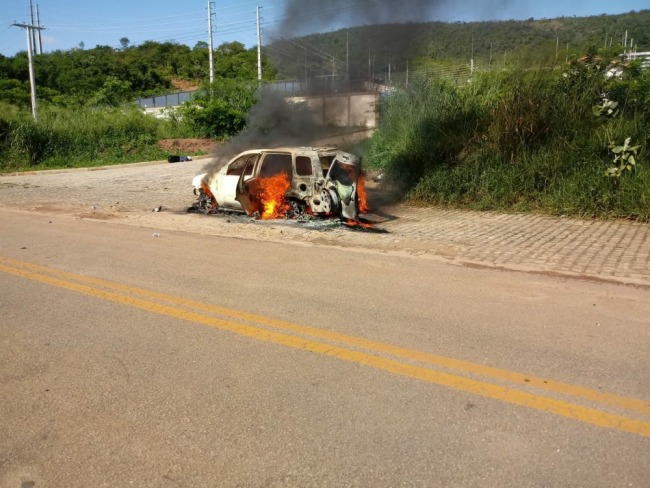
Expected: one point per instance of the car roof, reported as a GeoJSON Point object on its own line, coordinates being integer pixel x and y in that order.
{"type": "Point", "coordinates": [319, 150]}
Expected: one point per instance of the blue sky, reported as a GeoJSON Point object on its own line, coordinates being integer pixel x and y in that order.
{"type": "Point", "coordinates": [69, 22]}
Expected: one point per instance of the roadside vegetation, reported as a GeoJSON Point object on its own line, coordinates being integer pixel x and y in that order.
{"type": "Point", "coordinates": [564, 141]}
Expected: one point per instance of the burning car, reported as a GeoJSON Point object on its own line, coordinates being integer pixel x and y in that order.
{"type": "Point", "coordinates": [286, 182]}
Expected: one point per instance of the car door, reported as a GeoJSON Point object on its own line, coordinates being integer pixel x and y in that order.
{"type": "Point", "coordinates": [269, 164]}
{"type": "Point", "coordinates": [343, 176]}
{"type": "Point", "coordinates": [229, 177]}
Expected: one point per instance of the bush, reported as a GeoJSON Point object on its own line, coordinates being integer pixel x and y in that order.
{"type": "Point", "coordinates": [526, 140]}
{"type": "Point", "coordinates": [219, 110]}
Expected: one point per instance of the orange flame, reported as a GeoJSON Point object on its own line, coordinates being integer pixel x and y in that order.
{"type": "Point", "coordinates": [356, 223]}
{"type": "Point", "coordinates": [363, 196]}
{"type": "Point", "coordinates": [272, 191]}
{"type": "Point", "coordinates": [206, 189]}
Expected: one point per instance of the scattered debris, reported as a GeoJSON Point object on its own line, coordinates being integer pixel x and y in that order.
{"type": "Point", "coordinates": [160, 208]}
{"type": "Point", "coordinates": [155, 234]}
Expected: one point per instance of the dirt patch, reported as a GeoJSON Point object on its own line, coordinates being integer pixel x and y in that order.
{"type": "Point", "coordinates": [186, 146]}
{"type": "Point", "coordinates": [184, 85]}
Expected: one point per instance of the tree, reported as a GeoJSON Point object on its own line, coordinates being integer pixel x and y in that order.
{"type": "Point", "coordinates": [124, 42]}
{"type": "Point", "coordinates": [113, 93]}
{"type": "Point", "coordinates": [220, 110]}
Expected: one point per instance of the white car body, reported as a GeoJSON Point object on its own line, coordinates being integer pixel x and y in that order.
{"type": "Point", "coordinates": [323, 180]}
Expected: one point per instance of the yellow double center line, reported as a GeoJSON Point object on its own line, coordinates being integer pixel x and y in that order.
{"type": "Point", "coordinates": [237, 322]}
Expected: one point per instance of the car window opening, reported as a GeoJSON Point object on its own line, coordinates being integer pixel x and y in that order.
{"type": "Point", "coordinates": [236, 167]}
{"type": "Point", "coordinates": [325, 163]}
{"type": "Point", "coordinates": [343, 173]}
{"type": "Point", "coordinates": [276, 163]}
{"type": "Point", "coordinates": [303, 166]}
{"type": "Point", "coordinates": [248, 170]}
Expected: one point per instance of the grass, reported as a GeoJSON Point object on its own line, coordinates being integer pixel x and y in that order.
{"type": "Point", "coordinates": [518, 141]}
{"type": "Point", "coordinates": [82, 138]}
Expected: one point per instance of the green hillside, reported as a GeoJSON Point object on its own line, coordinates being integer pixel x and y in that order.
{"type": "Point", "coordinates": [370, 50]}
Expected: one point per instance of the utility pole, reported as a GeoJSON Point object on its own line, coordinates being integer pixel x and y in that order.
{"type": "Point", "coordinates": [33, 32]}
{"type": "Point", "coordinates": [471, 68]}
{"type": "Point", "coordinates": [347, 57]}
{"type": "Point", "coordinates": [259, 47]}
{"type": "Point", "coordinates": [38, 22]}
{"type": "Point", "coordinates": [29, 30]}
{"type": "Point", "coordinates": [210, 54]}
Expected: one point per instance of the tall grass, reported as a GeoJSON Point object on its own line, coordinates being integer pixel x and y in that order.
{"type": "Point", "coordinates": [526, 140]}
{"type": "Point", "coordinates": [83, 137]}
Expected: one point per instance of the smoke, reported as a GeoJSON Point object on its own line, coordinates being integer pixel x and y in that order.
{"type": "Point", "coordinates": [307, 16]}
{"type": "Point", "coordinates": [302, 17]}
{"type": "Point", "coordinates": [272, 122]}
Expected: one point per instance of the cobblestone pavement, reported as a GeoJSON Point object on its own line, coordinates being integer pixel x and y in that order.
{"type": "Point", "coordinates": [615, 251]}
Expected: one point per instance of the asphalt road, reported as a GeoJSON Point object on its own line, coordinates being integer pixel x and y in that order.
{"type": "Point", "coordinates": [193, 360]}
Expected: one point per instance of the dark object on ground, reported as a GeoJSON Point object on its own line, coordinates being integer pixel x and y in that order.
{"type": "Point", "coordinates": [178, 159]}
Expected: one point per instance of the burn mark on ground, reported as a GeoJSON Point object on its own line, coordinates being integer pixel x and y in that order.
{"type": "Point", "coordinates": [308, 222]}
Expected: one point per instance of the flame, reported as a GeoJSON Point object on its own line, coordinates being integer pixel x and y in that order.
{"type": "Point", "coordinates": [356, 223]}
{"type": "Point", "coordinates": [272, 191]}
{"type": "Point", "coordinates": [363, 196]}
{"type": "Point", "coordinates": [206, 190]}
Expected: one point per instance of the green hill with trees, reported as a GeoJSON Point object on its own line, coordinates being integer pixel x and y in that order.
{"type": "Point", "coordinates": [370, 50]}
{"type": "Point", "coordinates": [104, 76]}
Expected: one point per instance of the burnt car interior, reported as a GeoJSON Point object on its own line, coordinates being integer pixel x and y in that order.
{"type": "Point", "coordinates": [276, 163]}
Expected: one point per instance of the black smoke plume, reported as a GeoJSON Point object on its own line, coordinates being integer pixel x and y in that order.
{"type": "Point", "coordinates": [271, 123]}
{"type": "Point", "coordinates": [303, 17]}
{"type": "Point", "coordinates": [307, 16]}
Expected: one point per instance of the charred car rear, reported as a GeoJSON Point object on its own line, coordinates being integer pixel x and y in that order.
{"type": "Point", "coordinates": [285, 182]}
